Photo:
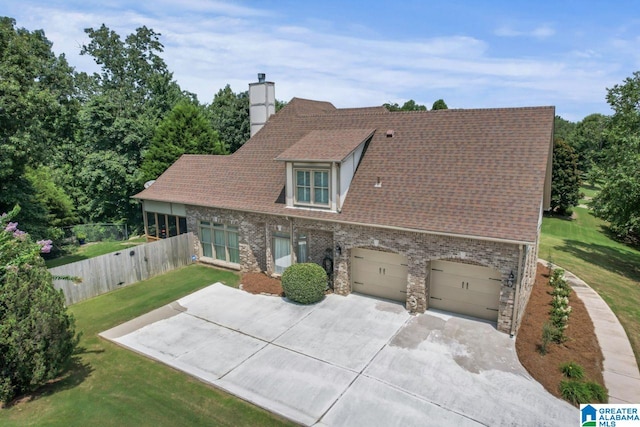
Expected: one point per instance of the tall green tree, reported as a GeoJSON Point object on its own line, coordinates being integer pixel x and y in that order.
{"type": "Point", "coordinates": [439, 105]}
{"type": "Point", "coordinates": [185, 130]}
{"type": "Point", "coordinates": [589, 141]}
{"type": "Point", "coordinates": [124, 103]}
{"type": "Point", "coordinates": [229, 114]}
{"type": "Point", "coordinates": [564, 129]}
{"type": "Point", "coordinates": [565, 179]}
{"type": "Point", "coordinates": [37, 114]}
{"type": "Point", "coordinates": [619, 200]}
{"type": "Point", "coordinates": [37, 335]}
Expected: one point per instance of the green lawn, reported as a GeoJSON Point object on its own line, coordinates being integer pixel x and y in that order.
{"type": "Point", "coordinates": [583, 247]}
{"type": "Point", "coordinates": [91, 250]}
{"type": "Point", "coordinates": [111, 386]}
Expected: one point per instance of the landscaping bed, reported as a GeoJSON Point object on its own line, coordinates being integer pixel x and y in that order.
{"type": "Point", "coordinates": [260, 283]}
{"type": "Point", "coordinates": [580, 347]}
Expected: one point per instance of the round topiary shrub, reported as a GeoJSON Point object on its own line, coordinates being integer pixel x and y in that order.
{"type": "Point", "coordinates": [304, 283]}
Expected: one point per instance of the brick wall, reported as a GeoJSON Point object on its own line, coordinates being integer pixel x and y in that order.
{"type": "Point", "coordinates": [256, 232]}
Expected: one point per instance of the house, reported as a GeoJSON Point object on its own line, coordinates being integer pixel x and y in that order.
{"type": "Point", "coordinates": [435, 209]}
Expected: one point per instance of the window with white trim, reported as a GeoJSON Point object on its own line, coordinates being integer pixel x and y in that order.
{"type": "Point", "coordinates": [220, 242]}
{"type": "Point", "coordinates": [312, 187]}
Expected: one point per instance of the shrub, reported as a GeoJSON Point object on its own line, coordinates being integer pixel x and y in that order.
{"type": "Point", "coordinates": [550, 333]}
{"type": "Point", "coordinates": [598, 393]}
{"type": "Point", "coordinates": [37, 335]}
{"type": "Point", "coordinates": [577, 392]}
{"type": "Point", "coordinates": [304, 283]}
{"type": "Point", "coordinates": [572, 370]}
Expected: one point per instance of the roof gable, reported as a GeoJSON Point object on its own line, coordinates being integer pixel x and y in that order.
{"type": "Point", "coordinates": [331, 145]}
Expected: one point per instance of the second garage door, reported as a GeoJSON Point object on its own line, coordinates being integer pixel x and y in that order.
{"type": "Point", "coordinates": [465, 289]}
{"type": "Point", "coordinates": [380, 274]}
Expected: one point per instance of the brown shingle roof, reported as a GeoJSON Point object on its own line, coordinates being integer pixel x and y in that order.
{"type": "Point", "coordinates": [331, 145]}
{"type": "Point", "coordinates": [463, 172]}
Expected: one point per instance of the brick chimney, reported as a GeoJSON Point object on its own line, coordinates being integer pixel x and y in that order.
{"type": "Point", "coordinates": [262, 102]}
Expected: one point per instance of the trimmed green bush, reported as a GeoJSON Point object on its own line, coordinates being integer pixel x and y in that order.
{"type": "Point", "coordinates": [572, 370]}
{"type": "Point", "coordinates": [304, 283]}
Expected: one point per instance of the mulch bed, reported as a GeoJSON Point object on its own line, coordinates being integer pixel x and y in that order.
{"type": "Point", "coordinates": [260, 283]}
{"type": "Point", "coordinates": [581, 346]}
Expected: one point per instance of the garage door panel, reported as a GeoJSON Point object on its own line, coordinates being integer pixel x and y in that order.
{"type": "Point", "coordinates": [379, 256]}
{"type": "Point", "coordinates": [466, 296]}
{"type": "Point", "coordinates": [396, 293]}
{"type": "Point", "coordinates": [466, 289]}
{"type": "Point", "coordinates": [465, 308]}
{"type": "Point", "coordinates": [380, 274]}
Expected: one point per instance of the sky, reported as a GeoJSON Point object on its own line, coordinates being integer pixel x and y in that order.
{"type": "Point", "coordinates": [472, 54]}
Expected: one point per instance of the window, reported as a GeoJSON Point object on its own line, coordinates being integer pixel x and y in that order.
{"type": "Point", "coordinates": [303, 250]}
{"type": "Point", "coordinates": [312, 187]}
{"type": "Point", "coordinates": [281, 252]}
{"type": "Point", "coordinates": [161, 226]}
{"type": "Point", "coordinates": [220, 242]}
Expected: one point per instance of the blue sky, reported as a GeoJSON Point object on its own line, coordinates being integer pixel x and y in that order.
{"type": "Point", "coordinates": [472, 54]}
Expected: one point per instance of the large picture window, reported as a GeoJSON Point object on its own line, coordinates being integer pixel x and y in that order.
{"type": "Point", "coordinates": [220, 242]}
{"type": "Point", "coordinates": [312, 187]}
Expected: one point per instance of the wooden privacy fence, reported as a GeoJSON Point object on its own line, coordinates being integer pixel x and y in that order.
{"type": "Point", "coordinates": [111, 271]}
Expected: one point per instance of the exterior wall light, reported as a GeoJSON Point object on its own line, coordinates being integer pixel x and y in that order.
{"type": "Point", "coordinates": [338, 249]}
{"type": "Point", "coordinates": [511, 279]}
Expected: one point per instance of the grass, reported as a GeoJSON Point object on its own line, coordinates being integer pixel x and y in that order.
{"type": "Point", "coordinates": [584, 247]}
{"type": "Point", "coordinates": [110, 386]}
{"type": "Point", "coordinates": [91, 250]}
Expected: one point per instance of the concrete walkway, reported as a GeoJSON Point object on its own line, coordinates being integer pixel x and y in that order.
{"type": "Point", "coordinates": [346, 361]}
{"type": "Point", "coordinates": [621, 375]}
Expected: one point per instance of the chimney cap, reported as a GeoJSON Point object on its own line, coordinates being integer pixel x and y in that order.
{"type": "Point", "coordinates": [261, 77]}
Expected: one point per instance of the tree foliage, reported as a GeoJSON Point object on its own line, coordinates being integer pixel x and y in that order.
{"type": "Point", "coordinates": [565, 181]}
{"type": "Point", "coordinates": [123, 105]}
{"type": "Point", "coordinates": [439, 105]}
{"type": "Point", "coordinates": [619, 200]}
{"type": "Point", "coordinates": [410, 105]}
{"type": "Point", "coordinates": [563, 129]}
{"type": "Point", "coordinates": [37, 112]}
{"type": "Point", "coordinates": [229, 114]}
{"type": "Point", "coordinates": [37, 335]}
{"type": "Point", "coordinates": [589, 141]}
{"type": "Point", "coordinates": [185, 130]}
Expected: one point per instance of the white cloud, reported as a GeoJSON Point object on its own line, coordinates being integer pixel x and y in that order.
{"type": "Point", "coordinates": [541, 32]}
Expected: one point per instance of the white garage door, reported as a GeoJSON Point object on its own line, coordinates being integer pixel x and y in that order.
{"type": "Point", "coordinates": [465, 289]}
{"type": "Point", "coordinates": [380, 274]}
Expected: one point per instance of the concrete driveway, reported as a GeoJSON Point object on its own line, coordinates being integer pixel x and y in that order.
{"type": "Point", "coordinates": [346, 361]}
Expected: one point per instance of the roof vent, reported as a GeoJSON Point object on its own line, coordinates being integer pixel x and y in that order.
{"type": "Point", "coordinates": [390, 133]}
{"type": "Point", "coordinates": [261, 77]}
{"type": "Point", "coordinates": [378, 184]}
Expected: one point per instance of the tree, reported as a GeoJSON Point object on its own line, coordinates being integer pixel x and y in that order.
{"type": "Point", "coordinates": [439, 105]}
{"type": "Point", "coordinates": [565, 178]}
{"type": "Point", "coordinates": [619, 200]}
{"type": "Point", "coordinates": [589, 142]}
{"type": "Point", "coordinates": [410, 105]}
{"type": "Point", "coordinates": [37, 335]}
{"type": "Point", "coordinates": [185, 130]}
{"type": "Point", "coordinates": [563, 129]}
{"type": "Point", "coordinates": [123, 105]}
{"type": "Point", "coordinates": [229, 114]}
{"type": "Point", "coordinates": [37, 114]}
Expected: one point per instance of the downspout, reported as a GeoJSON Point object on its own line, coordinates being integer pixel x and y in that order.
{"type": "Point", "coordinates": [338, 188]}
{"type": "Point", "coordinates": [293, 258]}
{"type": "Point", "coordinates": [514, 319]}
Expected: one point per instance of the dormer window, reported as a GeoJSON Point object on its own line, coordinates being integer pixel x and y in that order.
{"type": "Point", "coordinates": [319, 167]}
{"type": "Point", "coordinates": [312, 187]}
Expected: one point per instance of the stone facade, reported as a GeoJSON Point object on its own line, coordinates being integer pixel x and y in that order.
{"type": "Point", "coordinates": [256, 233]}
